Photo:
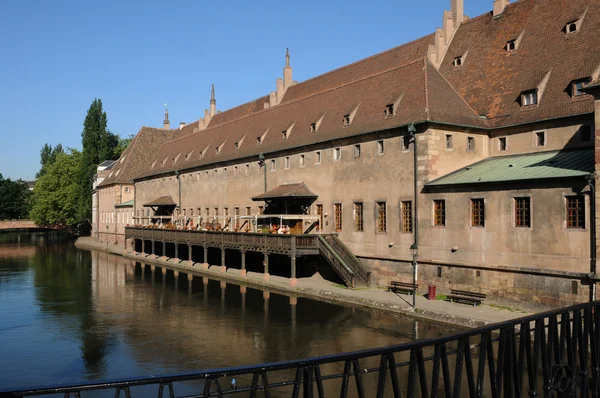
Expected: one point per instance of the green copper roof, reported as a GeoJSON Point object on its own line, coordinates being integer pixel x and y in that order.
{"type": "Point", "coordinates": [129, 203]}
{"type": "Point", "coordinates": [530, 166]}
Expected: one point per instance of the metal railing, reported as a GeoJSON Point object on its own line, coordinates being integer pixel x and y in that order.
{"type": "Point", "coordinates": [553, 354]}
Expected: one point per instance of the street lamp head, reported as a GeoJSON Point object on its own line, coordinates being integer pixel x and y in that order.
{"type": "Point", "coordinates": [414, 250]}
{"type": "Point", "coordinates": [412, 129]}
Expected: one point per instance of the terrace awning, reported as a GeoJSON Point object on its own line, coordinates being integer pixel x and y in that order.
{"type": "Point", "coordinates": [295, 190]}
{"type": "Point", "coordinates": [162, 201]}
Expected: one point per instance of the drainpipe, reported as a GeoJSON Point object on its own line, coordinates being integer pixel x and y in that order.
{"type": "Point", "coordinates": [590, 183]}
{"type": "Point", "coordinates": [415, 247]}
{"type": "Point", "coordinates": [263, 163]}
{"type": "Point", "coordinates": [177, 175]}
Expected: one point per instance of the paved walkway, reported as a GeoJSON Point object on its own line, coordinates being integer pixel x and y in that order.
{"type": "Point", "coordinates": [319, 289]}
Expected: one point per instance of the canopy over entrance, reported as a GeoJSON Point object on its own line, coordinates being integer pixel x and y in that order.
{"type": "Point", "coordinates": [292, 190]}
{"type": "Point", "coordinates": [162, 201]}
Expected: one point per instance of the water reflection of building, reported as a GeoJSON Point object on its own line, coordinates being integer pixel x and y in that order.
{"type": "Point", "coordinates": [225, 325]}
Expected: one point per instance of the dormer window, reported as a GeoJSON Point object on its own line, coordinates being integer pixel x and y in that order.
{"type": "Point", "coordinates": [572, 27]}
{"type": "Point", "coordinates": [217, 150]}
{"type": "Point", "coordinates": [529, 98]}
{"type": "Point", "coordinates": [237, 146]}
{"type": "Point", "coordinates": [313, 128]}
{"type": "Point", "coordinates": [258, 141]}
{"type": "Point", "coordinates": [458, 61]}
{"type": "Point", "coordinates": [511, 45]}
{"type": "Point", "coordinates": [346, 120]}
{"type": "Point", "coordinates": [284, 135]}
{"type": "Point", "coordinates": [389, 110]}
{"type": "Point", "coordinates": [577, 85]}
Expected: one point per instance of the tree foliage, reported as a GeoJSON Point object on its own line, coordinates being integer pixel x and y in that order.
{"type": "Point", "coordinates": [123, 144]}
{"type": "Point", "coordinates": [56, 193]}
{"type": "Point", "coordinates": [48, 156]}
{"type": "Point", "coordinates": [15, 198]}
{"type": "Point", "coordinates": [99, 144]}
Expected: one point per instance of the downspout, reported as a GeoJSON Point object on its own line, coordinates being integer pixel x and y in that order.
{"type": "Point", "coordinates": [177, 175]}
{"type": "Point", "coordinates": [263, 163]}
{"type": "Point", "coordinates": [591, 183]}
{"type": "Point", "coordinates": [413, 132]}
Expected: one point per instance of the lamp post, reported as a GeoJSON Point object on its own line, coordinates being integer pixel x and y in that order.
{"type": "Point", "coordinates": [414, 252]}
{"type": "Point", "coordinates": [263, 163]}
{"type": "Point", "coordinates": [414, 248]}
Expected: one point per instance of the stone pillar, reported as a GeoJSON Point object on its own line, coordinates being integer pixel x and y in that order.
{"type": "Point", "coordinates": [152, 247]}
{"type": "Point", "coordinates": [266, 265]}
{"type": "Point", "coordinates": [176, 251]}
{"type": "Point", "coordinates": [164, 252]}
{"type": "Point", "coordinates": [205, 257]}
{"type": "Point", "coordinates": [143, 246]}
{"type": "Point", "coordinates": [243, 272]}
{"type": "Point", "coordinates": [190, 261]}
{"type": "Point", "coordinates": [152, 269]}
{"type": "Point", "coordinates": [223, 266]}
{"type": "Point", "coordinates": [176, 275]}
{"type": "Point", "coordinates": [293, 280]}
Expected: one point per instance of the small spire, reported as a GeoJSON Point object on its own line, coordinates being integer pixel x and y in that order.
{"type": "Point", "coordinates": [166, 122]}
{"type": "Point", "coordinates": [287, 57]}
{"type": "Point", "coordinates": [212, 95]}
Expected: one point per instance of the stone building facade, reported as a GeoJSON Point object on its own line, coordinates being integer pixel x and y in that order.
{"type": "Point", "coordinates": [501, 110]}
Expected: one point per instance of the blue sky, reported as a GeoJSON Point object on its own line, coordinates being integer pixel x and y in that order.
{"type": "Point", "coordinates": [57, 56]}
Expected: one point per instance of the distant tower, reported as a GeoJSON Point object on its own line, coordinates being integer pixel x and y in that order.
{"type": "Point", "coordinates": [213, 102]}
{"type": "Point", "coordinates": [287, 71]}
{"type": "Point", "coordinates": [166, 122]}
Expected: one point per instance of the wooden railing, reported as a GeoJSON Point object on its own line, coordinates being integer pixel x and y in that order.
{"type": "Point", "coordinates": [232, 240]}
{"type": "Point", "coordinates": [338, 264]}
{"type": "Point", "coordinates": [361, 273]}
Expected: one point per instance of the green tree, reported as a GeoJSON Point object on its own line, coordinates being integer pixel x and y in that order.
{"type": "Point", "coordinates": [123, 144]}
{"type": "Point", "coordinates": [98, 144]}
{"type": "Point", "coordinates": [15, 198]}
{"type": "Point", "coordinates": [56, 193]}
{"type": "Point", "coordinates": [48, 156]}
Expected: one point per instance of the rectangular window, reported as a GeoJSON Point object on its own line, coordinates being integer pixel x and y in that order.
{"type": "Point", "coordinates": [261, 210]}
{"type": "Point", "coordinates": [287, 162]}
{"type": "Point", "coordinates": [358, 216]}
{"type": "Point", "coordinates": [502, 143]}
{"type": "Point", "coordinates": [470, 143]}
{"type": "Point", "coordinates": [320, 215]}
{"type": "Point", "coordinates": [578, 85]}
{"type": "Point", "coordinates": [380, 147]}
{"type": "Point", "coordinates": [236, 213]}
{"type": "Point", "coordinates": [522, 212]}
{"type": "Point", "coordinates": [449, 141]}
{"type": "Point", "coordinates": [337, 210]}
{"type": "Point", "coordinates": [406, 142]}
{"type": "Point", "coordinates": [184, 212]}
{"type": "Point", "coordinates": [406, 208]}
{"type": "Point", "coordinates": [273, 164]}
{"type": "Point", "coordinates": [477, 213]}
{"type": "Point", "coordinates": [235, 170]}
{"type": "Point", "coordinates": [226, 211]}
{"type": "Point", "coordinates": [313, 128]}
{"type": "Point", "coordinates": [540, 138]}
{"type": "Point", "coordinates": [248, 211]}
{"type": "Point", "coordinates": [529, 98]}
{"type": "Point", "coordinates": [247, 169]}
{"type": "Point", "coordinates": [346, 120]}
{"type": "Point", "coordinates": [575, 211]}
{"type": "Point", "coordinates": [318, 157]}
{"type": "Point", "coordinates": [357, 151]}
{"type": "Point", "coordinates": [337, 153]}
{"type": "Point", "coordinates": [301, 160]}
{"type": "Point", "coordinates": [216, 211]}
{"type": "Point", "coordinates": [439, 213]}
{"type": "Point", "coordinates": [381, 217]}
{"type": "Point", "coordinates": [207, 212]}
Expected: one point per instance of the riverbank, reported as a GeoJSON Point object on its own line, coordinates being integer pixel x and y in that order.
{"type": "Point", "coordinates": [319, 289]}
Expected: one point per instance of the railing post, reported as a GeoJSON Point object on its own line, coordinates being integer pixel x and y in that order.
{"type": "Point", "coordinates": [223, 266]}
{"type": "Point", "coordinates": [176, 250]}
{"type": "Point", "coordinates": [143, 245]}
{"type": "Point", "coordinates": [266, 266]}
{"type": "Point", "coordinates": [152, 251]}
{"type": "Point", "coordinates": [164, 245]}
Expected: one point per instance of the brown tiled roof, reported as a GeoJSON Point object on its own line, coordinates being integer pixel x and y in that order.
{"type": "Point", "coordinates": [424, 93]}
{"type": "Point", "coordinates": [136, 157]}
{"type": "Point", "coordinates": [295, 190]}
{"type": "Point", "coordinates": [491, 80]}
{"type": "Point", "coordinates": [360, 69]}
{"type": "Point", "coordinates": [162, 201]}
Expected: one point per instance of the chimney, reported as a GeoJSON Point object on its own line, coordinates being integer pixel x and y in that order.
{"type": "Point", "coordinates": [287, 71]}
{"type": "Point", "coordinates": [280, 90]}
{"type": "Point", "coordinates": [458, 12]}
{"type": "Point", "coordinates": [166, 122]}
{"type": "Point", "coordinates": [499, 6]}
{"type": "Point", "coordinates": [181, 125]}
{"type": "Point", "coordinates": [213, 102]}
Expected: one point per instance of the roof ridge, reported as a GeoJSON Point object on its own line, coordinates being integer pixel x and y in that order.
{"type": "Point", "coordinates": [426, 88]}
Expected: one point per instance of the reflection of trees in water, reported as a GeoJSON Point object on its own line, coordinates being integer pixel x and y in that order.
{"type": "Point", "coordinates": [63, 288]}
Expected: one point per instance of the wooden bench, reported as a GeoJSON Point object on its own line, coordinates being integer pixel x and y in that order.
{"type": "Point", "coordinates": [404, 287]}
{"type": "Point", "coordinates": [463, 296]}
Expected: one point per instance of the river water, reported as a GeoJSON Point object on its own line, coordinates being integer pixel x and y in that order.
{"type": "Point", "coordinates": [73, 316]}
